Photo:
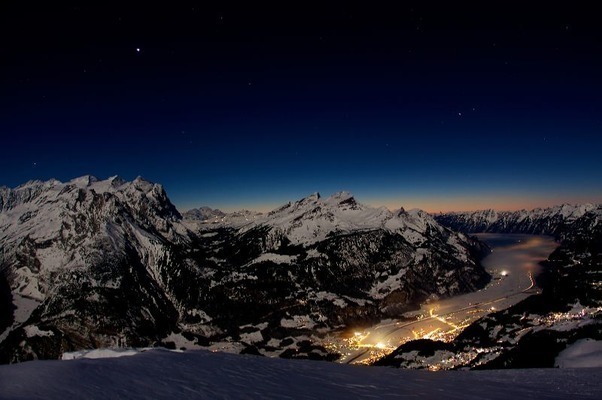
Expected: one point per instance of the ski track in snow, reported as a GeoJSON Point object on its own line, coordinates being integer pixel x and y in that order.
{"type": "Point", "coordinates": [161, 374]}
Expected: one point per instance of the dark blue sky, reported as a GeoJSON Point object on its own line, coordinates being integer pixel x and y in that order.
{"type": "Point", "coordinates": [447, 107]}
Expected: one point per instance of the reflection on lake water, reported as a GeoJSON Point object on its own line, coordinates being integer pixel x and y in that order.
{"type": "Point", "coordinates": [516, 251]}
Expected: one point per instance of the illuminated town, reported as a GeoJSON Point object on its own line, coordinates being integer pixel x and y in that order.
{"type": "Point", "coordinates": [367, 346]}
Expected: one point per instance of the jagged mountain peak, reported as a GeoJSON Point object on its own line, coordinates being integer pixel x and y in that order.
{"type": "Point", "coordinates": [145, 185]}
{"type": "Point", "coordinates": [38, 184]}
{"type": "Point", "coordinates": [139, 180]}
{"type": "Point", "coordinates": [111, 184]}
{"type": "Point", "coordinates": [86, 194]}
{"type": "Point", "coordinates": [83, 181]}
{"type": "Point", "coordinates": [315, 195]}
{"type": "Point", "coordinates": [339, 196]}
{"type": "Point", "coordinates": [313, 219]}
{"type": "Point", "coordinates": [343, 199]}
{"type": "Point", "coordinates": [574, 210]}
{"type": "Point", "coordinates": [310, 200]}
{"type": "Point", "coordinates": [117, 181]}
{"type": "Point", "coordinates": [314, 203]}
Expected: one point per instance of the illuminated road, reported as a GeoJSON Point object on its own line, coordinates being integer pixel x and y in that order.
{"type": "Point", "coordinates": [512, 264]}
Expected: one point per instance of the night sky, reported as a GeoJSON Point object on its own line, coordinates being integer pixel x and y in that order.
{"type": "Point", "coordinates": [446, 107]}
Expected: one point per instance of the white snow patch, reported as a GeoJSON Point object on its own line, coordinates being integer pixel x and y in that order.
{"type": "Point", "coordinates": [182, 342]}
{"type": "Point", "coordinates": [252, 337]}
{"type": "Point", "coordinates": [100, 353]}
{"type": "Point", "coordinates": [584, 353]}
{"type": "Point", "coordinates": [199, 313]}
{"type": "Point", "coordinates": [25, 307]}
{"type": "Point", "coordinates": [29, 284]}
{"type": "Point", "coordinates": [335, 299]}
{"type": "Point", "coordinates": [32, 330]}
{"type": "Point", "coordinates": [313, 253]}
{"type": "Point", "coordinates": [275, 258]}
{"type": "Point", "coordinates": [298, 321]}
{"type": "Point", "coordinates": [227, 347]}
{"type": "Point", "coordinates": [393, 282]}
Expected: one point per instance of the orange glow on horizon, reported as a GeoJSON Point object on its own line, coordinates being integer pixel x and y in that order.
{"type": "Point", "coordinates": [435, 204]}
{"type": "Point", "coordinates": [498, 203]}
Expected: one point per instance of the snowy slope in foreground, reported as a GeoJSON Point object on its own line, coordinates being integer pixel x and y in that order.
{"type": "Point", "coordinates": [200, 374]}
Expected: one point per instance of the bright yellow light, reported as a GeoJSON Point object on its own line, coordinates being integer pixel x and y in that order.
{"type": "Point", "coordinates": [431, 333]}
{"type": "Point", "coordinates": [380, 345]}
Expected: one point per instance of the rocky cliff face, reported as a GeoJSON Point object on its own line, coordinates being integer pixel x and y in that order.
{"type": "Point", "coordinates": [92, 263]}
{"type": "Point", "coordinates": [87, 265]}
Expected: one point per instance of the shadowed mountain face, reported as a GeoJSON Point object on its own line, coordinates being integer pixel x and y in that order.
{"type": "Point", "coordinates": [92, 263]}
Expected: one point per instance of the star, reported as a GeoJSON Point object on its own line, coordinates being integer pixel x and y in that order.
{"type": "Point", "coordinates": [137, 49]}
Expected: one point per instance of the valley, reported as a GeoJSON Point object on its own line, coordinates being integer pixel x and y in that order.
{"type": "Point", "coordinates": [513, 265]}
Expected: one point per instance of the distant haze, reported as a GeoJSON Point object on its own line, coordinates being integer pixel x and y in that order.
{"type": "Point", "coordinates": [431, 205]}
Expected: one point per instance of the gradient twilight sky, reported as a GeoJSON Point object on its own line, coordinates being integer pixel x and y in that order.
{"type": "Point", "coordinates": [441, 107]}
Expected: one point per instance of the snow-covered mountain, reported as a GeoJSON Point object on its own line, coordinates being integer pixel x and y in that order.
{"type": "Point", "coordinates": [542, 221]}
{"type": "Point", "coordinates": [313, 219]}
{"type": "Point", "coordinates": [88, 263]}
{"type": "Point", "coordinates": [98, 263]}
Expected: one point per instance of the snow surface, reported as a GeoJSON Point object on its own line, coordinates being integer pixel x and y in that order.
{"type": "Point", "coordinates": [163, 374]}
{"type": "Point", "coordinates": [32, 330]}
{"type": "Point", "coordinates": [584, 353]}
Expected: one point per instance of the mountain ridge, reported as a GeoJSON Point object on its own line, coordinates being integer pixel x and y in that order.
{"type": "Point", "coordinates": [546, 221]}
{"type": "Point", "coordinates": [92, 263]}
